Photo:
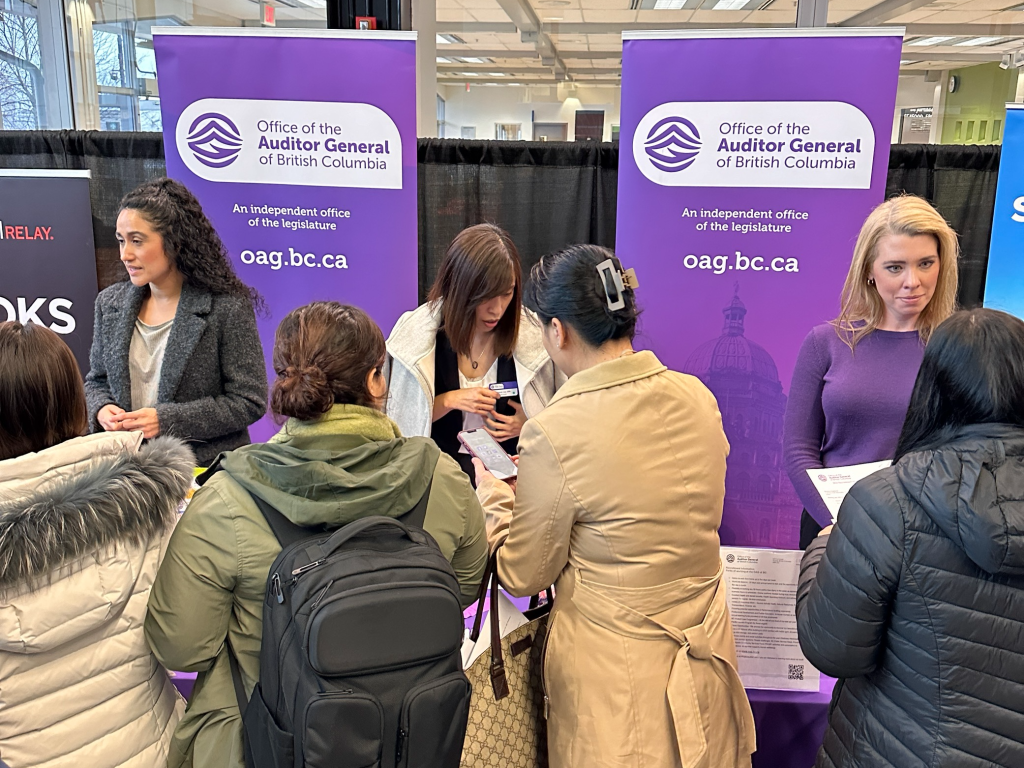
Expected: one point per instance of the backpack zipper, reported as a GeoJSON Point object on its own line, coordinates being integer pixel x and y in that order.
{"type": "Point", "coordinates": [402, 735]}
{"type": "Point", "coordinates": [275, 588]}
{"type": "Point", "coordinates": [309, 566]}
{"type": "Point", "coordinates": [320, 596]}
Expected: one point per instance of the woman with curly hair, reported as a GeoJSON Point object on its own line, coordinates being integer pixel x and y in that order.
{"type": "Point", "coordinates": [175, 349]}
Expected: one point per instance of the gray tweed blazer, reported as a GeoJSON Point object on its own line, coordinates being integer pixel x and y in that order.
{"type": "Point", "coordinates": [213, 383]}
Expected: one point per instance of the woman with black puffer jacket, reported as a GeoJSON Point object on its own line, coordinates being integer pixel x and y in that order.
{"type": "Point", "coordinates": [915, 598]}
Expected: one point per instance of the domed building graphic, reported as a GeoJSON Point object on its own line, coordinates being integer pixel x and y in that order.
{"type": "Point", "coordinates": [761, 507]}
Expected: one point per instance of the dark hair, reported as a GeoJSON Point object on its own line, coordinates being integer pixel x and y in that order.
{"type": "Point", "coordinates": [972, 373]}
{"type": "Point", "coordinates": [478, 266]}
{"type": "Point", "coordinates": [568, 286]}
{"type": "Point", "coordinates": [42, 400]}
{"type": "Point", "coordinates": [189, 238]}
{"type": "Point", "coordinates": [322, 354]}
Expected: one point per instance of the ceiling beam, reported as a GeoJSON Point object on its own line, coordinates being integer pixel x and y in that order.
{"type": "Point", "coordinates": [965, 30]}
{"type": "Point", "coordinates": [476, 27]}
{"type": "Point", "coordinates": [443, 50]}
{"type": "Point", "coordinates": [882, 12]}
{"type": "Point", "coordinates": [612, 28]}
{"type": "Point", "coordinates": [538, 70]}
{"type": "Point", "coordinates": [548, 81]}
{"type": "Point", "coordinates": [945, 54]}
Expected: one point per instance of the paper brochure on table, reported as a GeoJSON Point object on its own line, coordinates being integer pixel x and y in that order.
{"type": "Point", "coordinates": [761, 586]}
{"type": "Point", "coordinates": [511, 619]}
{"type": "Point", "coordinates": [833, 483]}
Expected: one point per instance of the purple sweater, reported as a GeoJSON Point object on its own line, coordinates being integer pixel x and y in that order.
{"type": "Point", "coordinates": [846, 407]}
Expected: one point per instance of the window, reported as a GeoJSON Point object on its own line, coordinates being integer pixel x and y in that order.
{"type": "Point", "coordinates": [31, 65]}
{"type": "Point", "coordinates": [508, 131]}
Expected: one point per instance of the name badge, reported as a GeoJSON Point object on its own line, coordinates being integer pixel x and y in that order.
{"type": "Point", "coordinates": [506, 388]}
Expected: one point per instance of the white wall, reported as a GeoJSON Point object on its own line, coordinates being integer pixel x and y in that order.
{"type": "Point", "coordinates": [484, 105]}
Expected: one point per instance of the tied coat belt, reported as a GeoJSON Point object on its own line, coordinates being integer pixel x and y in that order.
{"type": "Point", "coordinates": [708, 642]}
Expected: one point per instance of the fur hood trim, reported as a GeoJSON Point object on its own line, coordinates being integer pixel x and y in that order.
{"type": "Point", "coordinates": [124, 499]}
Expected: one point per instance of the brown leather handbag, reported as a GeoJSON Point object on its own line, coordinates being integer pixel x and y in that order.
{"type": "Point", "coordinates": [506, 727]}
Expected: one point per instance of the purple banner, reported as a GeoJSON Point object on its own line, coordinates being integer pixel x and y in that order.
{"type": "Point", "coordinates": [301, 147]}
{"type": "Point", "coordinates": [749, 160]}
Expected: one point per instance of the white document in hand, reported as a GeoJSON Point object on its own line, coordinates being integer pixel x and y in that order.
{"type": "Point", "coordinates": [510, 618]}
{"type": "Point", "coordinates": [833, 483]}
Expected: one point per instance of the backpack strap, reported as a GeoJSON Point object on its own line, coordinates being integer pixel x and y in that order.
{"type": "Point", "coordinates": [236, 678]}
{"type": "Point", "coordinates": [418, 514]}
{"type": "Point", "coordinates": [285, 531]}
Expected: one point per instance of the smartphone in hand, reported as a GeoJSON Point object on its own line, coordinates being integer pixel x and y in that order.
{"type": "Point", "coordinates": [484, 447]}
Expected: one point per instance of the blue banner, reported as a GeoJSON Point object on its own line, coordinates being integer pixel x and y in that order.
{"type": "Point", "coordinates": [1004, 287]}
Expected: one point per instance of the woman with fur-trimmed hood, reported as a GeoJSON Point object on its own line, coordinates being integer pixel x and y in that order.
{"type": "Point", "coordinates": [84, 522]}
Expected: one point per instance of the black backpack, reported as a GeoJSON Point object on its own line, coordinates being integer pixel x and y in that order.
{"type": "Point", "coordinates": [360, 665]}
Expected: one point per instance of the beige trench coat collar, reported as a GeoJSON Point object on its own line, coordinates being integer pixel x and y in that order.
{"type": "Point", "coordinates": [612, 373]}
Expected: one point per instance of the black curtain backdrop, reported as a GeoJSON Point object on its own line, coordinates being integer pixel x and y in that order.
{"type": "Point", "coordinates": [546, 194]}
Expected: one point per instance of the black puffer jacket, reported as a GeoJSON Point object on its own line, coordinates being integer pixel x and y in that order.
{"type": "Point", "coordinates": [917, 604]}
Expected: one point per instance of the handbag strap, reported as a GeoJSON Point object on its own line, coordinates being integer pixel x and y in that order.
{"type": "Point", "coordinates": [481, 595]}
{"type": "Point", "coordinates": [499, 681]}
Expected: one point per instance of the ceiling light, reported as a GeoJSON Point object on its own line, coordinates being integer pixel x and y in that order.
{"type": "Point", "coordinates": [309, 3]}
{"type": "Point", "coordinates": [448, 39]}
{"type": "Point", "coordinates": [443, 60]}
{"type": "Point", "coordinates": [554, 3]}
{"type": "Point", "coordinates": [495, 74]}
{"type": "Point", "coordinates": [905, 61]}
{"type": "Point", "coordinates": [980, 41]}
{"type": "Point", "coordinates": [472, 60]}
{"type": "Point", "coordinates": [729, 5]}
{"type": "Point", "coordinates": [668, 5]}
{"type": "Point", "coordinates": [931, 41]}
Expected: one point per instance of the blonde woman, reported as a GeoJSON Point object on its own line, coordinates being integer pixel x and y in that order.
{"type": "Point", "coordinates": [854, 375]}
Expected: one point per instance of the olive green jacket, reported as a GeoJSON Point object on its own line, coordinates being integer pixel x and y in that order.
{"type": "Point", "coordinates": [210, 588]}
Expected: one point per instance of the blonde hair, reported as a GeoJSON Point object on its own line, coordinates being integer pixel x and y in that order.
{"type": "Point", "coordinates": [862, 309]}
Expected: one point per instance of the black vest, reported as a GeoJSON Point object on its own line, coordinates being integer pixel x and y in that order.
{"type": "Point", "coordinates": [445, 431]}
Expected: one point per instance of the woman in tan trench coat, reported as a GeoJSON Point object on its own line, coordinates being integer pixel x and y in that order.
{"type": "Point", "coordinates": [619, 499]}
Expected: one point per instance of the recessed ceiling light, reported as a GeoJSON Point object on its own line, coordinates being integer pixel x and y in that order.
{"type": "Point", "coordinates": [448, 39]}
{"type": "Point", "coordinates": [496, 74]}
{"type": "Point", "coordinates": [729, 5]}
{"type": "Point", "coordinates": [668, 5]}
{"type": "Point", "coordinates": [472, 60]}
{"type": "Point", "coordinates": [443, 60]}
{"type": "Point", "coordinates": [931, 40]}
{"type": "Point", "coordinates": [980, 41]}
{"type": "Point", "coordinates": [554, 3]}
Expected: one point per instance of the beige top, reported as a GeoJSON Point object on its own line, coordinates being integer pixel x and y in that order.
{"type": "Point", "coordinates": [145, 359]}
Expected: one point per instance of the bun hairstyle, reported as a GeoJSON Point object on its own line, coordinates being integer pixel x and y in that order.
{"type": "Point", "coordinates": [567, 285]}
{"type": "Point", "coordinates": [323, 352]}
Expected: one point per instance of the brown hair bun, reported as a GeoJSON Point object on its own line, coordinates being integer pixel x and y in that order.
{"type": "Point", "coordinates": [323, 353]}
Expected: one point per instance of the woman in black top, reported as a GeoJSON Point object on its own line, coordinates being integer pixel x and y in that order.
{"type": "Point", "coordinates": [470, 357]}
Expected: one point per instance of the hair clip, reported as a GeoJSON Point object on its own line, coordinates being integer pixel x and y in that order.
{"type": "Point", "coordinates": [621, 281]}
